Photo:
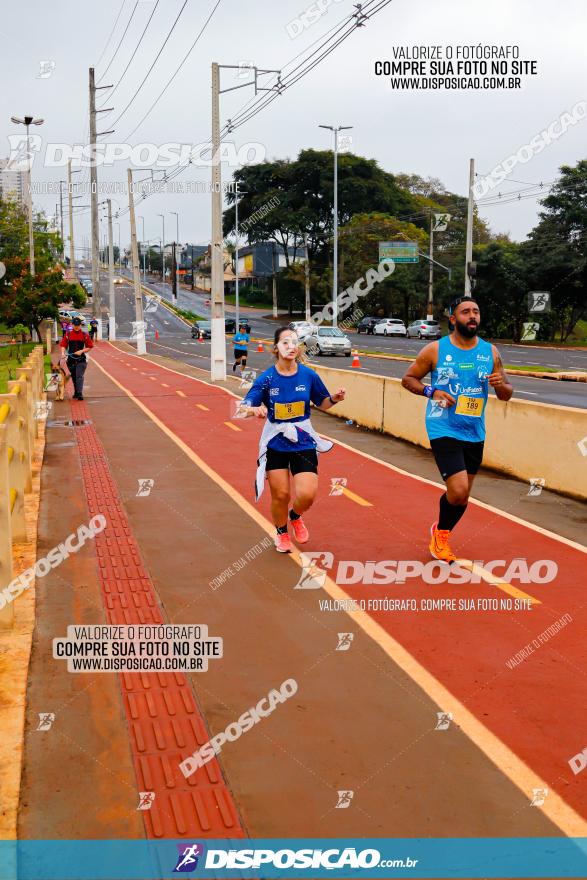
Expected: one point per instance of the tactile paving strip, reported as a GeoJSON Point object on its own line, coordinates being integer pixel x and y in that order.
{"type": "Point", "coordinates": [163, 719]}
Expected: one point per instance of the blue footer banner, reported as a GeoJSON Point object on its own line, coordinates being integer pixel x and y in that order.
{"type": "Point", "coordinates": [304, 858]}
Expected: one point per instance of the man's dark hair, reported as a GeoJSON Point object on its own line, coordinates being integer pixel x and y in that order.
{"type": "Point", "coordinates": [460, 299]}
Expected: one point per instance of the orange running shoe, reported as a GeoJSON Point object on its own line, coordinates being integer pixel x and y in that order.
{"type": "Point", "coordinates": [283, 543]}
{"type": "Point", "coordinates": [439, 546]}
{"type": "Point", "coordinates": [300, 531]}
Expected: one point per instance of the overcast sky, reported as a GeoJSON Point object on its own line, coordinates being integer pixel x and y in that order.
{"type": "Point", "coordinates": [428, 133]}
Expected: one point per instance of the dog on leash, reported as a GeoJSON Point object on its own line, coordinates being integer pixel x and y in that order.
{"type": "Point", "coordinates": [60, 376]}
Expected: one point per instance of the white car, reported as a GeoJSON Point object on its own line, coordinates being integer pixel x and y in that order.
{"type": "Point", "coordinates": [327, 340]}
{"type": "Point", "coordinates": [390, 327]}
{"type": "Point", "coordinates": [302, 328]}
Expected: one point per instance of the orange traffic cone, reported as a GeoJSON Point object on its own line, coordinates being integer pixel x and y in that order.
{"type": "Point", "coordinates": [356, 363]}
{"type": "Point", "coordinates": [156, 334]}
{"type": "Point", "coordinates": [260, 346]}
{"type": "Point", "coordinates": [202, 338]}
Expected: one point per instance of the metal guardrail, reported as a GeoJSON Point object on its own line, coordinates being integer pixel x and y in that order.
{"type": "Point", "coordinates": [19, 428]}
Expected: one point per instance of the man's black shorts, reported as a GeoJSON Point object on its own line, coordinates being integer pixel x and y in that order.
{"type": "Point", "coordinates": [305, 461]}
{"type": "Point", "coordinates": [454, 455]}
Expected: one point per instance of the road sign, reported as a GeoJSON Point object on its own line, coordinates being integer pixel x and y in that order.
{"type": "Point", "coordinates": [399, 251]}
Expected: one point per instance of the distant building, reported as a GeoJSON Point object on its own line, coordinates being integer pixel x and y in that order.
{"type": "Point", "coordinates": [12, 183]}
{"type": "Point", "coordinates": [265, 258]}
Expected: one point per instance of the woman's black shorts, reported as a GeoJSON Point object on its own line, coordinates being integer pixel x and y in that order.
{"type": "Point", "coordinates": [305, 461]}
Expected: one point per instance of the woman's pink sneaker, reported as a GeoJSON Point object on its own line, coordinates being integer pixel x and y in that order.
{"type": "Point", "coordinates": [283, 543]}
{"type": "Point", "coordinates": [302, 535]}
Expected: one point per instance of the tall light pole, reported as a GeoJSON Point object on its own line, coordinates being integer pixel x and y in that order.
{"type": "Point", "coordinates": [136, 276]}
{"type": "Point", "coordinates": [469, 238]}
{"type": "Point", "coordinates": [174, 251]}
{"type": "Point", "coordinates": [163, 252]}
{"type": "Point", "coordinates": [112, 315]}
{"type": "Point", "coordinates": [142, 219]}
{"type": "Point", "coordinates": [335, 130]}
{"type": "Point", "coordinates": [218, 340]}
{"type": "Point", "coordinates": [236, 278]}
{"type": "Point", "coordinates": [71, 197]}
{"type": "Point", "coordinates": [27, 122]}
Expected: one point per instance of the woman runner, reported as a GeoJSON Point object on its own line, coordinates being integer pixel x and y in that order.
{"type": "Point", "coordinates": [289, 443]}
{"type": "Point", "coordinates": [240, 341]}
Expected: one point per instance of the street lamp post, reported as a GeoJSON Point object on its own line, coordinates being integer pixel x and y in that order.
{"type": "Point", "coordinates": [27, 122]}
{"type": "Point", "coordinates": [142, 219]}
{"type": "Point", "coordinates": [163, 252]}
{"type": "Point", "coordinates": [335, 131]}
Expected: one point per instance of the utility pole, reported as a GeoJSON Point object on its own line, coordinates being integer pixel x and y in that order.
{"type": "Point", "coordinates": [469, 241]}
{"type": "Point", "coordinates": [430, 316]}
{"type": "Point", "coordinates": [96, 304]}
{"type": "Point", "coordinates": [71, 248]}
{"type": "Point", "coordinates": [307, 277]}
{"type": "Point", "coordinates": [236, 298]}
{"type": "Point", "coordinates": [112, 315]}
{"type": "Point", "coordinates": [335, 131]}
{"type": "Point", "coordinates": [136, 273]}
{"type": "Point", "coordinates": [217, 346]}
{"type": "Point", "coordinates": [61, 182]}
{"type": "Point", "coordinates": [94, 200]}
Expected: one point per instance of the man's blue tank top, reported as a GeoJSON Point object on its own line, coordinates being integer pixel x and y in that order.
{"type": "Point", "coordinates": [463, 375]}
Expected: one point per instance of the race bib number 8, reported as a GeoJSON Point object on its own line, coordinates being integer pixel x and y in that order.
{"type": "Point", "coordinates": [469, 406]}
{"type": "Point", "coordinates": [284, 411]}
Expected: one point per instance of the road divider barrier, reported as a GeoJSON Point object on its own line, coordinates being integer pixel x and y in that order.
{"type": "Point", "coordinates": [19, 428]}
{"type": "Point", "coordinates": [524, 438]}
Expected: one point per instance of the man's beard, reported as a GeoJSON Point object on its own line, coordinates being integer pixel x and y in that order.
{"type": "Point", "coordinates": [465, 330]}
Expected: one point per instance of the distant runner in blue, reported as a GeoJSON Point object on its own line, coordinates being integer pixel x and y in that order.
{"type": "Point", "coordinates": [289, 444]}
{"type": "Point", "coordinates": [462, 367]}
{"type": "Point", "coordinates": [240, 342]}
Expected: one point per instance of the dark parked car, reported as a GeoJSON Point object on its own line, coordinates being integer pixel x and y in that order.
{"type": "Point", "coordinates": [202, 327]}
{"type": "Point", "coordinates": [366, 325]}
{"type": "Point", "coordinates": [206, 328]}
{"type": "Point", "coordinates": [231, 325]}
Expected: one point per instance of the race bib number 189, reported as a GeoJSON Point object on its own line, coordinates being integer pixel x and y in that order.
{"type": "Point", "coordinates": [469, 406]}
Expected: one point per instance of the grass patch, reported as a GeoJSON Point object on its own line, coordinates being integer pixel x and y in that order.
{"type": "Point", "coordinates": [535, 369]}
{"type": "Point", "coordinates": [11, 358]}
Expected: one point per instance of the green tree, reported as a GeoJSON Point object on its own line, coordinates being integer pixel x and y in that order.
{"type": "Point", "coordinates": [24, 298]}
{"type": "Point", "coordinates": [556, 252]}
{"type": "Point", "coordinates": [285, 199]}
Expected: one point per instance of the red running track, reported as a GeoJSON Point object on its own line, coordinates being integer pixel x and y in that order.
{"type": "Point", "coordinates": [534, 708]}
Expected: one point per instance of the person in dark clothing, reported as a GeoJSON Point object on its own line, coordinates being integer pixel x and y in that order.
{"type": "Point", "coordinates": [76, 343]}
{"type": "Point", "coordinates": [93, 329]}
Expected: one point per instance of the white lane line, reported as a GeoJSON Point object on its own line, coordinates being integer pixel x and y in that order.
{"type": "Point", "coordinates": [533, 393]}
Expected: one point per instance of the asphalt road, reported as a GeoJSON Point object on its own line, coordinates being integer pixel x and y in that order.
{"type": "Point", "coordinates": [515, 355]}
{"type": "Point", "coordinates": [174, 341]}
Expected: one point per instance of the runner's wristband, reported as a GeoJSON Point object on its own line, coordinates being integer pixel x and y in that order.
{"type": "Point", "coordinates": [333, 402]}
{"type": "Point", "coordinates": [428, 391]}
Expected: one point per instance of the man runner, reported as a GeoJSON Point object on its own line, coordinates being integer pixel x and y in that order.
{"type": "Point", "coordinates": [462, 367]}
{"type": "Point", "coordinates": [76, 342]}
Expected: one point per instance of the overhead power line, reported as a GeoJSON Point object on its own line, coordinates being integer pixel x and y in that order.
{"type": "Point", "coordinates": [120, 42]}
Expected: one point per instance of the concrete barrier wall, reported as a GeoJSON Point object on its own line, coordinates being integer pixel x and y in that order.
{"type": "Point", "coordinates": [524, 439]}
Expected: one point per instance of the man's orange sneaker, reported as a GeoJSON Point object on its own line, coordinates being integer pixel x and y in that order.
{"type": "Point", "coordinates": [439, 546]}
{"type": "Point", "coordinates": [302, 535]}
{"type": "Point", "coordinates": [283, 543]}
